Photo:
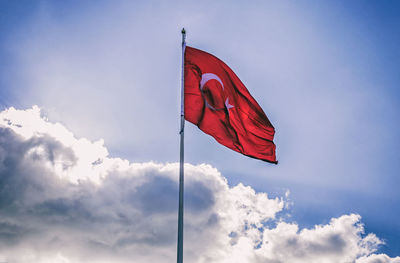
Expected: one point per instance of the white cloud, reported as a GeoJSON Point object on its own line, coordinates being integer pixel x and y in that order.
{"type": "Point", "coordinates": [378, 258]}
{"type": "Point", "coordinates": [63, 199]}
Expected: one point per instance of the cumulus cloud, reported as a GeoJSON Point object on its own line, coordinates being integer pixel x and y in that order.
{"type": "Point", "coordinates": [64, 199]}
{"type": "Point", "coordinates": [378, 258]}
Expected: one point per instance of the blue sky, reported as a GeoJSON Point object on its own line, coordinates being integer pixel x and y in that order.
{"type": "Point", "coordinates": [325, 73]}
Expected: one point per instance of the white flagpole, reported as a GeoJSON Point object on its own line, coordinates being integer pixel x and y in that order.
{"type": "Point", "coordinates": [181, 160]}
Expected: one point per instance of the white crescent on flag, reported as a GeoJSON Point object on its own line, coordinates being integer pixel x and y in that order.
{"type": "Point", "coordinates": [204, 79]}
{"type": "Point", "coordinates": [209, 76]}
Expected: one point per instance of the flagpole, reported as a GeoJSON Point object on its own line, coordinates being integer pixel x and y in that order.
{"type": "Point", "coordinates": [181, 159]}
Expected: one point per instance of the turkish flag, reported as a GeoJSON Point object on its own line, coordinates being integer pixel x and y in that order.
{"type": "Point", "coordinates": [221, 106]}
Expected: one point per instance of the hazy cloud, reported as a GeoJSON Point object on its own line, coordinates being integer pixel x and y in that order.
{"type": "Point", "coordinates": [63, 199]}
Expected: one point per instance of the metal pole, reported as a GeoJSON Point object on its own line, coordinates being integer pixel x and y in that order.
{"type": "Point", "coordinates": [181, 159]}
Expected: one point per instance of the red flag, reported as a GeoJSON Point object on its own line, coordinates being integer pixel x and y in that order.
{"type": "Point", "coordinates": [221, 106]}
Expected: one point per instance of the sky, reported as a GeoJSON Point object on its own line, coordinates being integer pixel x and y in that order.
{"type": "Point", "coordinates": [89, 144]}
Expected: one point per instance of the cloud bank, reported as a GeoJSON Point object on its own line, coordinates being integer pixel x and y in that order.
{"type": "Point", "coordinates": [64, 199]}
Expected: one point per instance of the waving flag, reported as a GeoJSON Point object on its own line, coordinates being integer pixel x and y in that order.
{"type": "Point", "coordinates": [220, 105]}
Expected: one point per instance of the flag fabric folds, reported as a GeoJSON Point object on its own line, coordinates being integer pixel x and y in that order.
{"type": "Point", "coordinates": [220, 105]}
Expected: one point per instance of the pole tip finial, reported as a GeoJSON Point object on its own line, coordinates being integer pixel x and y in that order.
{"type": "Point", "coordinates": [183, 31]}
